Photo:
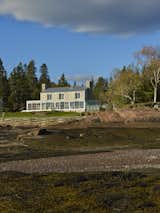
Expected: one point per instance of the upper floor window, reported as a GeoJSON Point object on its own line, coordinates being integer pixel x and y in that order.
{"type": "Point", "coordinates": [61, 96]}
{"type": "Point", "coordinates": [77, 95]}
{"type": "Point", "coordinates": [49, 97]}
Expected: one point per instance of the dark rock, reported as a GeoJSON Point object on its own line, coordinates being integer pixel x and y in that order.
{"type": "Point", "coordinates": [43, 132]}
{"type": "Point", "coordinates": [37, 132]}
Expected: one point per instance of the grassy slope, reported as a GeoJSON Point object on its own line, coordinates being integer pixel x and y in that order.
{"type": "Point", "coordinates": [103, 192]}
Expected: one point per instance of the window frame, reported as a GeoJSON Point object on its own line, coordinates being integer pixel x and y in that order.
{"type": "Point", "coordinates": [61, 96]}
{"type": "Point", "coordinates": [77, 95]}
{"type": "Point", "coordinates": [49, 97]}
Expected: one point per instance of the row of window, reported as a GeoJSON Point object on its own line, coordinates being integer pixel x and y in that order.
{"type": "Point", "coordinates": [34, 106]}
{"type": "Point", "coordinates": [70, 105]}
{"type": "Point", "coordinates": [58, 105]}
{"type": "Point", "coordinates": [61, 96]}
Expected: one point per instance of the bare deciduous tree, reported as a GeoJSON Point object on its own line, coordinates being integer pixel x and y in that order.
{"type": "Point", "coordinates": [150, 58]}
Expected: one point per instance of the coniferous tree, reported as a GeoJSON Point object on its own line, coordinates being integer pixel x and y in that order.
{"type": "Point", "coordinates": [4, 87]}
{"type": "Point", "coordinates": [19, 92]}
{"type": "Point", "coordinates": [44, 77]}
{"type": "Point", "coordinates": [100, 89]}
{"type": "Point", "coordinates": [63, 81]}
{"type": "Point", "coordinates": [33, 88]}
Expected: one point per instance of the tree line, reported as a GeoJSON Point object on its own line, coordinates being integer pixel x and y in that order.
{"type": "Point", "coordinates": [23, 84]}
{"type": "Point", "coordinates": [131, 84]}
{"type": "Point", "coordinates": [138, 83]}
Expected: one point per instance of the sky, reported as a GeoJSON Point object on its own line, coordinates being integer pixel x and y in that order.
{"type": "Point", "coordinates": [80, 38]}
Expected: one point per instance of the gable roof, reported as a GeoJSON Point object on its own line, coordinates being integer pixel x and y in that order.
{"type": "Point", "coordinates": [64, 89]}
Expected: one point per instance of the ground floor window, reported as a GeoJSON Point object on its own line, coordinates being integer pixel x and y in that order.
{"type": "Point", "coordinates": [66, 105]}
{"type": "Point", "coordinates": [81, 104]}
{"type": "Point", "coordinates": [34, 106]}
{"type": "Point", "coordinates": [62, 105]}
{"type": "Point", "coordinates": [49, 106]}
{"type": "Point", "coordinates": [72, 105]}
{"type": "Point", "coordinates": [55, 106]}
{"type": "Point", "coordinates": [29, 106]}
{"type": "Point", "coordinates": [77, 105]}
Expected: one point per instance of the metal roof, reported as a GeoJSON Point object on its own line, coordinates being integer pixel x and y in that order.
{"type": "Point", "coordinates": [65, 89]}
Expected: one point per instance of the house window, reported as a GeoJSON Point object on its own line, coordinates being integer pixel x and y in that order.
{"type": "Point", "coordinates": [66, 105]}
{"type": "Point", "coordinates": [50, 106]}
{"type": "Point", "coordinates": [57, 105]}
{"type": "Point", "coordinates": [77, 95]}
{"type": "Point", "coordinates": [77, 105]}
{"type": "Point", "coordinates": [72, 105]}
{"type": "Point", "coordinates": [62, 105]}
{"type": "Point", "coordinates": [44, 106]}
{"type": "Point", "coordinates": [29, 106]}
{"type": "Point", "coordinates": [49, 97]}
{"type": "Point", "coordinates": [35, 106]}
{"type": "Point", "coordinates": [61, 96]}
{"type": "Point", "coordinates": [81, 104]}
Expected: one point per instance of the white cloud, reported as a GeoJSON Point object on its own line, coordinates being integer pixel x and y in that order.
{"type": "Point", "coordinates": [123, 17]}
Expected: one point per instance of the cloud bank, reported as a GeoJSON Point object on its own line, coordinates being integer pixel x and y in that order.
{"type": "Point", "coordinates": [122, 17]}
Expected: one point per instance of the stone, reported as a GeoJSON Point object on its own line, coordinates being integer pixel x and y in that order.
{"type": "Point", "coordinates": [81, 135]}
{"type": "Point", "coordinates": [37, 132]}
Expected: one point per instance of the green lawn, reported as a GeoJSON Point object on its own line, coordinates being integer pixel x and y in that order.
{"type": "Point", "coordinates": [127, 192]}
{"type": "Point", "coordinates": [39, 114]}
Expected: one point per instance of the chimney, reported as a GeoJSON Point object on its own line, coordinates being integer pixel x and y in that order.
{"type": "Point", "coordinates": [88, 84]}
{"type": "Point", "coordinates": [43, 87]}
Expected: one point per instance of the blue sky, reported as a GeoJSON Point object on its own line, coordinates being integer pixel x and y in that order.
{"type": "Point", "coordinates": [66, 50]}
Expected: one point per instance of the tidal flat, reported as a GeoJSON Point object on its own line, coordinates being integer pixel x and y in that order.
{"type": "Point", "coordinates": [63, 142]}
{"type": "Point", "coordinates": [109, 179]}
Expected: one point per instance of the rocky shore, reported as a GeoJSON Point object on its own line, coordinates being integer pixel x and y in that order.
{"type": "Point", "coordinates": [120, 160]}
{"type": "Point", "coordinates": [124, 117]}
{"type": "Point", "coordinates": [37, 122]}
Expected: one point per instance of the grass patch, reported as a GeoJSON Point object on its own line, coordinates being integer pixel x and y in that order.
{"type": "Point", "coordinates": [137, 191]}
{"type": "Point", "coordinates": [39, 114]}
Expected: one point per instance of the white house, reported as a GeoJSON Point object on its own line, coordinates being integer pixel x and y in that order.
{"type": "Point", "coordinates": [66, 99]}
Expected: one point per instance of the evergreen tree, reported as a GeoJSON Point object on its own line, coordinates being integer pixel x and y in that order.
{"type": "Point", "coordinates": [100, 89]}
{"type": "Point", "coordinates": [33, 88]}
{"type": "Point", "coordinates": [63, 82]}
{"type": "Point", "coordinates": [44, 77]}
{"type": "Point", "coordinates": [4, 87]}
{"type": "Point", "coordinates": [19, 91]}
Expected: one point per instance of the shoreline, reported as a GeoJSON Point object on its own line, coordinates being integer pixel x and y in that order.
{"type": "Point", "coordinates": [77, 123]}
